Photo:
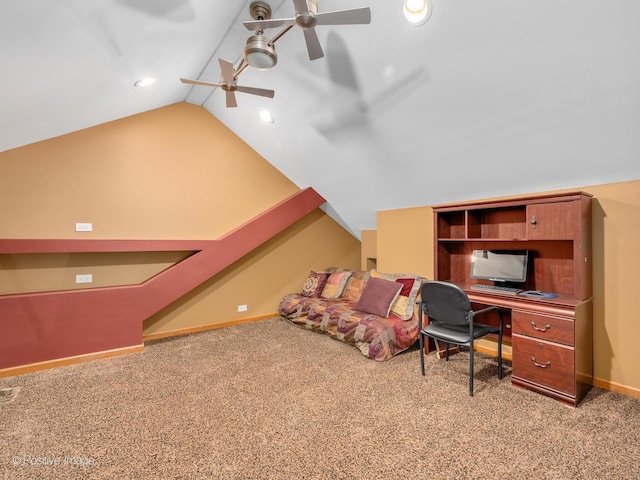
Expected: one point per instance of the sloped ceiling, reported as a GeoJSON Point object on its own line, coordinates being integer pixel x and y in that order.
{"type": "Point", "coordinates": [488, 98]}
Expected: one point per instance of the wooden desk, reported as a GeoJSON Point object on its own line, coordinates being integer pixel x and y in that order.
{"type": "Point", "coordinates": [551, 341]}
{"type": "Point", "coordinates": [551, 338]}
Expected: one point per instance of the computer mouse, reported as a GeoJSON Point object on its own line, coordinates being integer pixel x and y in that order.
{"type": "Point", "coordinates": [535, 292]}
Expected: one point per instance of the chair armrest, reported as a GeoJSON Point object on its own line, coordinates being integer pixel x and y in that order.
{"type": "Point", "coordinates": [488, 309]}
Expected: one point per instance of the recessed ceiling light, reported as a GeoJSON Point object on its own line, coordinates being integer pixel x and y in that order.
{"type": "Point", "coordinates": [145, 82]}
{"type": "Point", "coordinates": [265, 116]}
{"type": "Point", "coordinates": [417, 12]}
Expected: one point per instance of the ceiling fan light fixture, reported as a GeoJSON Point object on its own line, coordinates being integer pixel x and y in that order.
{"type": "Point", "coordinates": [260, 53]}
{"type": "Point", "coordinates": [417, 12]}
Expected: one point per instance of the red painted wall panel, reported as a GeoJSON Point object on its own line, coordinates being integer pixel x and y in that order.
{"type": "Point", "coordinates": [38, 327]}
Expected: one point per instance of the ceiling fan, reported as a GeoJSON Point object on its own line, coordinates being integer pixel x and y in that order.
{"type": "Point", "coordinates": [228, 83]}
{"type": "Point", "coordinates": [307, 17]}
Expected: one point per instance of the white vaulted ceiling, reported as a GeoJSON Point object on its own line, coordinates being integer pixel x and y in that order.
{"type": "Point", "coordinates": [488, 98]}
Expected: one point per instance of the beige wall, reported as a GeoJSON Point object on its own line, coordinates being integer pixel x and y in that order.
{"type": "Point", "coordinates": [263, 277]}
{"type": "Point", "coordinates": [616, 236]}
{"type": "Point", "coordinates": [405, 241]}
{"type": "Point", "coordinates": [368, 249]}
{"type": "Point", "coordinates": [57, 271]}
{"type": "Point", "coordinates": [172, 173]}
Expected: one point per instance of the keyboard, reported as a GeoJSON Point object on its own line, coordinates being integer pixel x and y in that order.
{"type": "Point", "coordinates": [496, 289]}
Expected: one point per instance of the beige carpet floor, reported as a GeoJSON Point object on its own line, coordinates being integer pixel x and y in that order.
{"type": "Point", "coordinates": [268, 400]}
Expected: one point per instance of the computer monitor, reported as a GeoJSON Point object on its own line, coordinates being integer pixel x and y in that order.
{"type": "Point", "coordinates": [505, 266]}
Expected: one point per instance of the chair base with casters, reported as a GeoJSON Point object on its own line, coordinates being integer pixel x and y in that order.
{"type": "Point", "coordinates": [451, 321]}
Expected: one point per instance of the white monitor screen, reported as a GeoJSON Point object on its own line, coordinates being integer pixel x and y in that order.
{"type": "Point", "coordinates": [499, 266]}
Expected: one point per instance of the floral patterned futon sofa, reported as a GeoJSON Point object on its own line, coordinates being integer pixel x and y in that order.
{"type": "Point", "coordinates": [376, 312]}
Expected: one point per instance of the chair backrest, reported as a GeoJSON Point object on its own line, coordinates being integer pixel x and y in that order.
{"type": "Point", "coordinates": [445, 303]}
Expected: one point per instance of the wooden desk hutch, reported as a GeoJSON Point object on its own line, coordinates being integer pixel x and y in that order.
{"type": "Point", "coordinates": [551, 338]}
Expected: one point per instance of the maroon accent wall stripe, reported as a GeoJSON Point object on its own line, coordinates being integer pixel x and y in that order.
{"type": "Point", "coordinates": [38, 327]}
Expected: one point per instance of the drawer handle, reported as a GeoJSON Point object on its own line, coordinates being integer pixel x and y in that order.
{"type": "Point", "coordinates": [544, 329]}
{"type": "Point", "coordinates": [548, 364]}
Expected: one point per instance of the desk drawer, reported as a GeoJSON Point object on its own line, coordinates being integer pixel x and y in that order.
{"type": "Point", "coordinates": [545, 327]}
{"type": "Point", "coordinates": [544, 363]}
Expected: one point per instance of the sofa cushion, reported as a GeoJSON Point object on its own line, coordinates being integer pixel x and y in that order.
{"type": "Point", "coordinates": [377, 296]}
{"type": "Point", "coordinates": [355, 285]}
{"type": "Point", "coordinates": [404, 304]}
{"type": "Point", "coordinates": [335, 284]}
{"type": "Point", "coordinates": [314, 284]}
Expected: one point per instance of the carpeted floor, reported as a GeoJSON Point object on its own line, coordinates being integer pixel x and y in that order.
{"type": "Point", "coordinates": [268, 400]}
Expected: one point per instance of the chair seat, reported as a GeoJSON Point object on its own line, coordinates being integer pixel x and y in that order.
{"type": "Point", "coordinates": [458, 334]}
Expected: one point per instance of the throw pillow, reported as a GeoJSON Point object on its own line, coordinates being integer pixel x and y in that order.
{"type": "Point", "coordinates": [315, 284]}
{"type": "Point", "coordinates": [355, 285]}
{"type": "Point", "coordinates": [407, 285]}
{"type": "Point", "coordinates": [404, 305]}
{"type": "Point", "coordinates": [377, 296]}
{"type": "Point", "coordinates": [335, 284]}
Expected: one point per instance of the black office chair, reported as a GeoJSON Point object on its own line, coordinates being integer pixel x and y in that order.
{"type": "Point", "coordinates": [451, 321]}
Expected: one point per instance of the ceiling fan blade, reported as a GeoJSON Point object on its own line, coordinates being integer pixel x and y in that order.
{"type": "Point", "coordinates": [341, 69]}
{"type": "Point", "coordinates": [198, 82]}
{"type": "Point", "coordinates": [313, 44]}
{"type": "Point", "coordinates": [226, 69]}
{"type": "Point", "coordinates": [353, 16]}
{"type": "Point", "coordinates": [231, 100]}
{"type": "Point", "coordinates": [264, 24]}
{"type": "Point", "coordinates": [301, 6]}
{"type": "Point", "coordinates": [256, 91]}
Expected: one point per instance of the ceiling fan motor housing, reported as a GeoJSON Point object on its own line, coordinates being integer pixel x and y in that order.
{"type": "Point", "coordinates": [307, 21]}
